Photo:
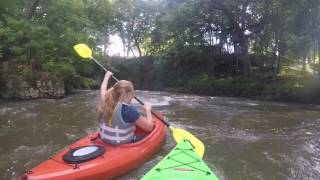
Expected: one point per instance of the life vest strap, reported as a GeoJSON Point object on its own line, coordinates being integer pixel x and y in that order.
{"type": "Point", "coordinates": [116, 130]}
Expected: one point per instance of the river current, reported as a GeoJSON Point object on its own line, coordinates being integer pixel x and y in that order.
{"type": "Point", "coordinates": [244, 139]}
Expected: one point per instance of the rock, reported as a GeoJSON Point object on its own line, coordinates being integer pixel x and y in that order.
{"type": "Point", "coordinates": [27, 93]}
{"type": "Point", "coordinates": [34, 93]}
{"type": "Point", "coordinates": [49, 84]}
{"type": "Point", "coordinates": [23, 84]}
{"type": "Point", "coordinates": [45, 87]}
{"type": "Point", "coordinates": [38, 84]}
{"type": "Point", "coordinates": [9, 83]}
{"type": "Point", "coordinates": [22, 93]}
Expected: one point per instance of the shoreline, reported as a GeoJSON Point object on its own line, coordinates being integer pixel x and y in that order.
{"type": "Point", "coordinates": [263, 97]}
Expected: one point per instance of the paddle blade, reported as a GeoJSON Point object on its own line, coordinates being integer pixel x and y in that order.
{"type": "Point", "coordinates": [83, 50]}
{"type": "Point", "coordinates": [181, 134]}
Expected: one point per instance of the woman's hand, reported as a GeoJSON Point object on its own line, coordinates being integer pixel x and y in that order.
{"type": "Point", "coordinates": [108, 74]}
{"type": "Point", "coordinates": [147, 106]}
{"type": "Point", "coordinates": [104, 85]}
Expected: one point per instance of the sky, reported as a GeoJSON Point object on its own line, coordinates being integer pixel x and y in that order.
{"type": "Point", "coordinates": [115, 47]}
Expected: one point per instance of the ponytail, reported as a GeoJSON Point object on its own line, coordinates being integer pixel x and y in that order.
{"type": "Point", "coordinates": [105, 108]}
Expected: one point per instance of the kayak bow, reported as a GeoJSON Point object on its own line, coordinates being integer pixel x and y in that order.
{"type": "Point", "coordinates": [182, 163]}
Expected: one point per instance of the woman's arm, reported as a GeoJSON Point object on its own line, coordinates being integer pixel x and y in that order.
{"type": "Point", "coordinates": [146, 123]}
{"type": "Point", "coordinates": [104, 85]}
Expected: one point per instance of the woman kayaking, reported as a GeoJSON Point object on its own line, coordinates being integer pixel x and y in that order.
{"type": "Point", "coordinates": [117, 118]}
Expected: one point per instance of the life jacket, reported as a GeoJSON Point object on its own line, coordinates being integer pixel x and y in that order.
{"type": "Point", "coordinates": [117, 131]}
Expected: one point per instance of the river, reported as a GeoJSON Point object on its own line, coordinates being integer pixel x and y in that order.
{"type": "Point", "coordinates": [244, 139]}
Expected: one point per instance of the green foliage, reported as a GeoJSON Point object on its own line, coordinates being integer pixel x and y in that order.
{"type": "Point", "coordinates": [26, 73]}
{"type": "Point", "coordinates": [37, 37]}
{"type": "Point", "coordinates": [198, 45]}
{"type": "Point", "coordinates": [231, 87]}
{"type": "Point", "coordinates": [62, 69]}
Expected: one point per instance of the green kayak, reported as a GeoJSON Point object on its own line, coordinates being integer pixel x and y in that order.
{"type": "Point", "coordinates": [182, 163]}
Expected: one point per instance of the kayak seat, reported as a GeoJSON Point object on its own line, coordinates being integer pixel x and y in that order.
{"type": "Point", "coordinates": [137, 138]}
{"type": "Point", "coordinates": [83, 154]}
{"type": "Point", "coordinates": [95, 137]}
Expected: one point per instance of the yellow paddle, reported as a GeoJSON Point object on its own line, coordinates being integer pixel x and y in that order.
{"type": "Point", "coordinates": [178, 134]}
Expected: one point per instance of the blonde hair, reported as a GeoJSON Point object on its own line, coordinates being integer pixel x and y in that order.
{"type": "Point", "coordinates": [119, 92]}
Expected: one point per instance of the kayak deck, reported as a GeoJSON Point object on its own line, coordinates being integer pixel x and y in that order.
{"type": "Point", "coordinates": [181, 163]}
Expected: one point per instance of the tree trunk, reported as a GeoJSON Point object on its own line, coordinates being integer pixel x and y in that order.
{"type": "Point", "coordinates": [280, 49]}
{"type": "Point", "coordinates": [319, 49]}
{"type": "Point", "coordinates": [137, 45]}
{"type": "Point", "coordinates": [244, 56]}
{"type": "Point", "coordinates": [210, 60]}
{"type": "Point", "coordinates": [123, 42]}
{"type": "Point", "coordinates": [236, 55]}
{"type": "Point", "coordinates": [132, 52]}
{"type": "Point", "coordinates": [279, 59]}
{"type": "Point", "coordinates": [304, 64]}
{"type": "Point", "coordinates": [314, 51]}
{"type": "Point", "coordinates": [136, 42]}
{"type": "Point", "coordinates": [275, 51]}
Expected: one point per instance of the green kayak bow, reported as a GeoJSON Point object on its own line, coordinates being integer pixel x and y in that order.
{"type": "Point", "coordinates": [182, 163]}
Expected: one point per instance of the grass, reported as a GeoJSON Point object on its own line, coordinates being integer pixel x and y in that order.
{"type": "Point", "coordinates": [291, 84]}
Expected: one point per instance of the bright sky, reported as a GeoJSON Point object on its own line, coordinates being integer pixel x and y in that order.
{"type": "Point", "coordinates": [116, 47]}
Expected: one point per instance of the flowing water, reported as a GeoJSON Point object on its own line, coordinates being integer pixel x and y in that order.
{"type": "Point", "coordinates": [244, 139]}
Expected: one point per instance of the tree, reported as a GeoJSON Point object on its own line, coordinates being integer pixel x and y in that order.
{"type": "Point", "coordinates": [245, 18]}
{"type": "Point", "coordinates": [134, 21]}
{"type": "Point", "coordinates": [37, 37]}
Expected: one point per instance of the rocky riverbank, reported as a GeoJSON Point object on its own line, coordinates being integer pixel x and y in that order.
{"type": "Point", "coordinates": [38, 89]}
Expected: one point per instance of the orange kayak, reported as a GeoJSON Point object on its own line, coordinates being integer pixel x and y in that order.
{"type": "Point", "coordinates": [113, 160]}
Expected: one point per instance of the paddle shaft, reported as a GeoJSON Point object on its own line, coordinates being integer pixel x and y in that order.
{"type": "Point", "coordinates": [135, 97]}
